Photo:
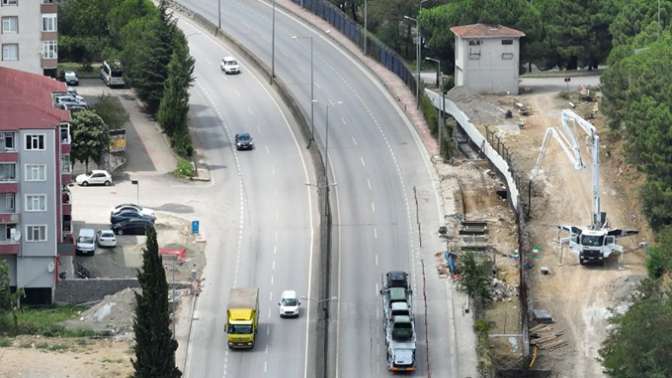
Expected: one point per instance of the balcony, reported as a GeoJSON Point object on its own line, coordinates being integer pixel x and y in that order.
{"type": "Point", "coordinates": [65, 148]}
{"type": "Point", "coordinates": [7, 217]}
{"type": "Point", "coordinates": [9, 247]}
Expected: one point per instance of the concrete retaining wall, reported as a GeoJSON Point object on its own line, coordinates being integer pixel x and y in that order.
{"type": "Point", "coordinates": [76, 291]}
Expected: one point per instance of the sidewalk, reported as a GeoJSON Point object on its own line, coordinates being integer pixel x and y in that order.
{"type": "Point", "coordinates": [394, 85]}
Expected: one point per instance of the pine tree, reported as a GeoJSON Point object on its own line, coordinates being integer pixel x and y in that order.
{"type": "Point", "coordinates": [172, 115]}
{"type": "Point", "coordinates": [155, 346]}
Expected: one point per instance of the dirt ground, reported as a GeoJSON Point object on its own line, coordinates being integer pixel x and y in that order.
{"type": "Point", "coordinates": [42, 357]}
{"type": "Point", "coordinates": [577, 297]}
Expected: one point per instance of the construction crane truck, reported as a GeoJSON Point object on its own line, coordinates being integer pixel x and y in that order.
{"type": "Point", "coordinates": [597, 241]}
{"type": "Point", "coordinates": [398, 322]}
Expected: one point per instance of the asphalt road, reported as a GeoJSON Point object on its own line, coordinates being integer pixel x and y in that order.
{"type": "Point", "coordinates": [385, 199]}
{"type": "Point", "coordinates": [266, 224]}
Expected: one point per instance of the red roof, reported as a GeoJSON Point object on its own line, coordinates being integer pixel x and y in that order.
{"type": "Point", "coordinates": [486, 31]}
{"type": "Point", "coordinates": [26, 101]}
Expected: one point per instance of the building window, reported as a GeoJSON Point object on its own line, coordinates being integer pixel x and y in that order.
{"type": "Point", "coordinates": [36, 172]}
{"type": "Point", "coordinates": [49, 22]}
{"type": "Point", "coordinates": [49, 50]}
{"type": "Point", "coordinates": [35, 142]}
{"type": "Point", "coordinates": [507, 41]}
{"type": "Point", "coordinates": [7, 172]}
{"type": "Point", "coordinates": [7, 202]}
{"type": "Point", "coordinates": [66, 167]}
{"type": "Point", "coordinates": [507, 56]}
{"type": "Point", "coordinates": [9, 2]}
{"type": "Point", "coordinates": [10, 52]}
{"type": "Point", "coordinates": [10, 25]}
{"type": "Point", "coordinates": [7, 232]}
{"type": "Point", "coordinates": [36, 233]}
{"type": "Point", "coordinates": [36, 202]}
{"type": "Point", "coordinates": [7, 141]}
{"type": "Point", "coordinates": [475, 42]}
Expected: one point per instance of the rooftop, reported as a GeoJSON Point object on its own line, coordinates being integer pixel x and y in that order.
{"type": "Point", "coordinates": [486, 31]}
{"type": "Point", "coordinates": [26, 101]}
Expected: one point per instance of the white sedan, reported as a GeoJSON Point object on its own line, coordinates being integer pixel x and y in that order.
{"type": "Point", "coordinates": [94, 177]}
{"type": "Point", "coordinates": [106, 238]}
{"type": "Point", "coordinates": [289, 304]}
{"type": "Point", "coordinates": [229, 65]}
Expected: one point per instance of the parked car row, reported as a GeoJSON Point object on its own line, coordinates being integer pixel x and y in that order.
{"type": "Point", "coordinates": [131, 219]}
{"type": "Point", "coordinates": [70, 100]}
{"type": "Point", "coordinates": [88, 238]}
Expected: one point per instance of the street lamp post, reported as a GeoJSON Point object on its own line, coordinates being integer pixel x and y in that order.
{"type": "Point", "coordinates": [273, 46]}
{"type": "Point", "coordinates": [137, 190]}
{"type": "Point", "coordinates": [439, 83]}
{"type": "Point", "coordinates": [312, 88]}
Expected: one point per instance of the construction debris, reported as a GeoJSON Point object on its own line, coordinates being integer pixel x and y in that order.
{"type": "Point", "coordinates": [546, 338]}
{"type": "Point", "coordinates": [501, 291]}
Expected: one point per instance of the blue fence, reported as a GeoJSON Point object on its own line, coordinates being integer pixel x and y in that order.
{"type": "Point", "coordinates": [375, 48]}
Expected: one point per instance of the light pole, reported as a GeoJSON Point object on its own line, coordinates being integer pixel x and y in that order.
{"type": "Point", "coordinates": [273, 47]}
{"type": "Point", "coordinates": [312, 89]}
{"type": "Point", "coordinates": [439, 83]}
{"type": "Point", "coordinates": [366, 26]}
{"type": "Point", "coordinates": [137, 190]}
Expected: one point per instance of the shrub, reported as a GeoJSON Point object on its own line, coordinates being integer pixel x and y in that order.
{"type": "Point", "coordinates": [184, 168]}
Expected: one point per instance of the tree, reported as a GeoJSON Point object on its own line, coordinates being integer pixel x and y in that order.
{"type": "Point", "coordinates": [155, 346]}
{"type": "Point", "coordinates": [83, 31]}
{"type": "Point", "coordinates": [172, 115]}
{"type": "Point", "coordinates": [148, 55]}
{"type": "Point", "coordinates": [9, 301]}
{"type": "Point", "coordinates": [659, 256]}
{"type": "Point", "coordinates": [637, 345]}
{"type": "Point", "coordinates": [476, 277]}
{"type": "Point", "coordinates": [90, 137]}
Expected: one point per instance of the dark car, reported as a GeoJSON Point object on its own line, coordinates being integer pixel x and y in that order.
{"type": "Point", "coordinates": [135, 226]}
{"type": "Point", "coordinates": [244, 142]}
{"type": "Point", "coordinates": [130, 214]}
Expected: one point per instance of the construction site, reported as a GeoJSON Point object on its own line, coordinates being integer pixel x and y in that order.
{"type": "Point", "coordinates": [584, 228]}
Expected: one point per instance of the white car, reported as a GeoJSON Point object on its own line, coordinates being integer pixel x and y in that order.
{"type": "Point", "coordinates": [229, 65]}
{"type": "Point", "coordinates": [86, 241]}
{"type": "Point", "coordinates": [133, 207]}
{"type": "Point", "coordinates": [94, 177]}
{"type": "Point", "coordinates": [71, 78]}
{"type": "Point", "coordinates": [106, 238]}
{"type": "Point", "coordinates": [289, 304]}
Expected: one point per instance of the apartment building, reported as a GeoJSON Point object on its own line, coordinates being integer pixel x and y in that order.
{"type": "Point", "coordinates": [35, 208]}
{"type": "Point", "coordinates": [487, 58]}
{"type": "Point", "coordinates": [29, 35]}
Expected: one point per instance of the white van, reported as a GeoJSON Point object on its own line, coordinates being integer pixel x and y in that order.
{"type": "Point", "coordinates": [86, 241]}
{"type": "Point", "coordinates": [112, 74]}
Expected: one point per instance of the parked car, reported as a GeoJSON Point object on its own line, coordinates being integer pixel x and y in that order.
{"type": "Point", "coordinates": [67, 99]}
{"type": "Point", "coordinates": [133, 207]}
{"type": "Point", "coordinates": [94, 177]}
{"type": "Point", "coordinates": [134, 226]}
{"type": "Point", "coordinates": [71, 78]}
{"type": "Point", "coordinates": [73, 93]}
{"type": "Point", "coordinates": [229, 65]}
{"type": "Point", "coordinates": [289, 304]}
{"type": "Point", "coordinates": [112, 74]}
{"type": "Point", "coordinates": [244, 142]}
{"type": "Point", "coordinates": [106, 238]}
{"type": "Point", "coordinates": [86, 241]}
{"type": "Point", "coordinates": [130, 214]}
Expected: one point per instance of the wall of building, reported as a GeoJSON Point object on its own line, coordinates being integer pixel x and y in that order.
{"type": "Point", "coordinates": [490, 67]}
{"type": "Point", "coordinates": [28, 36]}
{"type": "Point", "coordinates": [40, 254]}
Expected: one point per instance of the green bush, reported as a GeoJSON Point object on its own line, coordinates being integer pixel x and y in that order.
{"type": "Point", "coordinates": [109, 108]}
{"type": "Point", "coordinates": [181, 143]}
{"type": "Point", "coordinates": [657, 202]}
{"type": "Point", "coordinates": [45, 322]}
{"type": "Point", "coordinates": [184, 168]}
{"type": "Point", "coordinates": [659, 256]}
{"type": "Point", "coordinates": [5, 342]}
{"type": "Point", "coordinates": [430, 113]}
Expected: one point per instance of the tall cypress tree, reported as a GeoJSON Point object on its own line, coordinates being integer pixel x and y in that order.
{"type": "Point", "coordinates": [155, 346]}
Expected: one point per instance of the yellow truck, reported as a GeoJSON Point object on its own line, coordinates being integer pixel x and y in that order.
{"type": "Point", "coordinates": [242, 317]}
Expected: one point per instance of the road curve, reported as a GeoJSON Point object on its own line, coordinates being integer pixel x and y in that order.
{"type": "Point", "coordinates": [268, 219]}
{"type": "Point", "coordinates": [385, 195]}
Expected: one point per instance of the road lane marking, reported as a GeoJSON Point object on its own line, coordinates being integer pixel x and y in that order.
{"type": "Point", "coordinates": [269, 313]}
{"type": "Point", "coordinates": [249, 111]}
{"type": "Point", "coordinates": [268, 150]}
{"type": "Point", "coordinates": [368, 183]}
{"type": "Point", "coordinates": [270, 296]}
{"type": "Point", "coordinates": [268, 331]}
{"type": "Point", "coordinates": [272, 280]}
{"type": "Point", "coordinates": [375, 233]}
{"type": "Point", "coordinates": [343, 120]}
{"type": "Point", "coordinates": [376, 259]}
{"type": "Point", "coordinates": [373, 207]}
{"type": "Point", "coordinates": [361, 159]}
{"type": "Point", "coordinates": [354, 140]}
{"type": "Point", "coordinates": [273, 266]}
{"type": "Point", "coordinates": [275, 250]}
{"type": "Point", "coordinates": [377, 289]}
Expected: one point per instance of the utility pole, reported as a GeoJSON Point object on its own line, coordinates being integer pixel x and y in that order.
{"type": "Point", "coordinates": [326, 163]}
{"type": "Point", "coordinates": [273, 46]}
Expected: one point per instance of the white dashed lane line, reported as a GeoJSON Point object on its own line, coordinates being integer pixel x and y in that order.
{"type": "Point", "coordinates": [361, 160]}
{"type": "Point", "coordinates": [368, 183]}
{"type": "Point", "coordinates": [354, 141]}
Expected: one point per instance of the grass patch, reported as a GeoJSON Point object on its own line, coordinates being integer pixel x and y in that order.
{"type": "Point", "coordinates": [110, 110]}
{"type": "Point", "coordinates": [184, 169]}
{"type": "Point", "coordinates": [5, 342]}
{"type": "Point", "coordinates": [44, 321]}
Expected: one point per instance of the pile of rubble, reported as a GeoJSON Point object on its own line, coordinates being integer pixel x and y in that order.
{"type": "Point", "coordinates": [501, 291]}
{"type": "Point", "coordinates": [544, 337]}
{"type": "Point", "coordinates": [113, 315]}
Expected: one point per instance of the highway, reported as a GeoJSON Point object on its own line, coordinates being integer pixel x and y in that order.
{"type": "Point", "coordinates": [264, 233]}
{"type": "Point", "coordinates": [385, 201]}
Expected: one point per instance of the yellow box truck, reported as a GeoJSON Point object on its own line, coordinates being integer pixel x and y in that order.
{"type": "Point", "coordinates": [242, 317]}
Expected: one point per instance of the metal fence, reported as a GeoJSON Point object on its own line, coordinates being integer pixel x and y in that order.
{"type": "Point", "coordinates": [356, 33]}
